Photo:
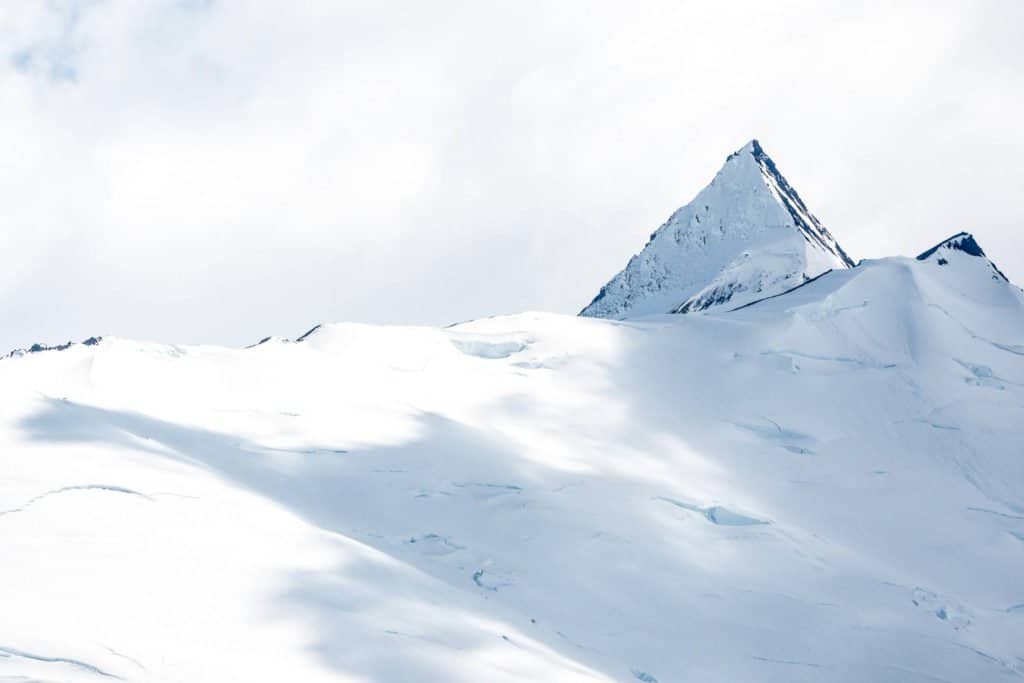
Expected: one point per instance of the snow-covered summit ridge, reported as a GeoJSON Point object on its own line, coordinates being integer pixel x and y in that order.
{"type": "Point", "coordinates": [962, 241]}
{"type": "Point", "coordinates": [962, 266]}
{"type": "Point", "coordinates": [960, 245]}
{"type": "Point", "coordinates": [747, 235]}
{"type": "Point", "coordinates": [39, 347]}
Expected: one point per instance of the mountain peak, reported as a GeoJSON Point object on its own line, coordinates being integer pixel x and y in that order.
{"type": "Point", "coordinates": [752, 148]}
{"type": "Point", "coordinates": [962, 241]}
{"type": "Point", "coordinates": [748, 234]}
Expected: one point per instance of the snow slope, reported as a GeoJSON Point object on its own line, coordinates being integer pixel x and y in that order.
{"type": "Point", "coordinates": [826, 485]}
{"type": "Point", "coordinates": [745, 236]}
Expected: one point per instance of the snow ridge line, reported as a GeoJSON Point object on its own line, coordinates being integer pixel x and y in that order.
{"type": "Point", "coordinates": [78, 664]}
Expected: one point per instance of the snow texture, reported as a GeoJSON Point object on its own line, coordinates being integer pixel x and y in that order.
{"type": "Point", "coordinates": [824, 485]}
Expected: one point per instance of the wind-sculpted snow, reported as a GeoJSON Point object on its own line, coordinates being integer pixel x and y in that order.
{"type": "Point", "coordinates": [745, 236]}
{"type": "Point", "coordinates": [716, 514]}
{"type": "Point", "coordinates": [821, 486]}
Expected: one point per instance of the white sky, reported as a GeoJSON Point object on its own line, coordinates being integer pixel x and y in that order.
{"type": "Point", "coordinates": [212, 171]}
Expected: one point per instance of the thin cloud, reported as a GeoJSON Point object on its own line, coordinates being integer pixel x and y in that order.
{"type": "Point", "coordinates": [217, 172]}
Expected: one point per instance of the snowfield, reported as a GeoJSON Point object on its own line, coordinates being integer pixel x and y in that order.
{"type": "Point", "coordinates": [826, 485]}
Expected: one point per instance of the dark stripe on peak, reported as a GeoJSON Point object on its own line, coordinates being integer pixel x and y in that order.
{"type": "Point", "coordinates": [309, 332]}
{"type": "Point", "coordinates": [813, 231]}
{"type": "Point", "coordinates": [776, 296]}
{"type": "Point", "coordinates": [962, 241]}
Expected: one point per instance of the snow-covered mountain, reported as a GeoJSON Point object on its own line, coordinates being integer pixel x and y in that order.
{"type": "Point", "coordinates": [825, 484]}
{"type": "Point", "coordinates": [745, 236]}
{"type": "Point", "coordinates": [956, 247]}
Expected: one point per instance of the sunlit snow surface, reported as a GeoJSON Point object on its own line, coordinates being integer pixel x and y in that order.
{"type": "Point", "coordinates": [824, 486]}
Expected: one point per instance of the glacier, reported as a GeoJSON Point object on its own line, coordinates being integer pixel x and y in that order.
{"type": "Point", "coordinates": [819, 481]}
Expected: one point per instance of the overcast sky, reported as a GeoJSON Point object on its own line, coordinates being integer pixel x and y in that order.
{"type": "Point", "coordinates": [213, 171]}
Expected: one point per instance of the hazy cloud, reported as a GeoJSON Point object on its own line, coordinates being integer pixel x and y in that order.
{"type": "Point", "coordinates": [218, 171]}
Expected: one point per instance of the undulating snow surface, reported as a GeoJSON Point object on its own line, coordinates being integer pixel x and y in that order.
{"type": "Point", "coordinates": [827, 485]}
{"type": "Point", "coordinates": [747, 235]}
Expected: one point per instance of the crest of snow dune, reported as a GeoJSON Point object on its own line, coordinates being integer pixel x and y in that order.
{"type": "Point", "coordinates": [747, 235]}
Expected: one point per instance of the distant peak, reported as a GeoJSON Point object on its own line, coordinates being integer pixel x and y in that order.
{"type": "Point", "coordinates": [747, 235]}
{"type": "Point", "coordinates": [40, 348]}
{"type": "Point", "coordinates": [962, 241]}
